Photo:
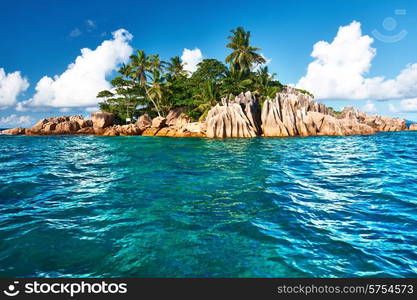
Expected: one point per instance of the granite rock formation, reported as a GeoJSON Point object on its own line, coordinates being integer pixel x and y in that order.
{"type": "Point", "coordinates": [235, 118]}
{"type": "Point", "coordinates": [102, 119]}
{"type": "Point", "coordinates": [143, 122]}
{"type": "Point", "coordinates": [290, 113]}
{"type": "Point", "coordinates": [294, 113]}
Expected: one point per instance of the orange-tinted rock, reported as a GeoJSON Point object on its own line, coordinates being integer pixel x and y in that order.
{"type": "Point", "coordinates": [413, 127]}
{"type": "Point", "coordinates": [14, 131]}
{"type": "Point", "coordinates": [159, 122]}
{"type": "Point", "coordinates": [150, 132]}
{"type": "Point", "coordinates": [67, 127]}
{"type": "Point", "coordinates": [86, 130]}
{"type": "Point", "coordinates": [110, 131]}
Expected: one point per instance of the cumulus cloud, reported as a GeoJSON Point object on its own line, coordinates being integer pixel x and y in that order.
{"type": "Point", "coordinates": [369, 107]}
{"type": "Point", "coordinates": [11, 85]}
{"type": "Point", "coordinates": [191, 58]}
{"type": "Point", "coordinates": [404, 106]}
{"type": "Point", "coordinates": [84, 78]}
{"type": "Point", "coordinates": [14, 120]}
{"type": "Point", "coordinates": [339, 70]}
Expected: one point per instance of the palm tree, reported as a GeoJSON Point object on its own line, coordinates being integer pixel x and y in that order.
{"type": "Point", "coordinates": [176, 67]}
{"type": "Point", "coordinates": [157, 91]}
{"type": "Point", "coordinates": [265, 85]}
{"type": "Point", "coordinates": [140, 65]}
{"type": "Point", "coordinates": [243, 57]}
{"type": "Point", "coordinates": [155, 63]}
{"type": "Point", "coordinates": [207, 98]}
{"type": "Point", "coordinates": [125, 70]}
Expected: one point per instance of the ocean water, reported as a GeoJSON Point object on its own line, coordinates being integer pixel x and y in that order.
{"type": "Point", "coordinates": [165, 207]}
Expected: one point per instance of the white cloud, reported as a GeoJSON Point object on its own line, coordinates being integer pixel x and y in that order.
{"type": "Point", "coordinates": [11, 85]}
{"type": "Point", "coordinates": [339, 68]}
{"type": "Point", "coordinates": [369, 107]}
{"type": "Point", "coordinates": [404, 106]}
{"type": "Point", "coordinates": [14, 120]}
{"type": "Point", "coordinates": [191, 58]}
{"type": "Point", "coordinates": [83, 79]}
{"type": "Point", "coordinates": [75, 32]}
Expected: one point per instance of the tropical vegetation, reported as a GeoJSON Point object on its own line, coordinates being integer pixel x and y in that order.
{"type": "Point", "coordinates": [147, 84]}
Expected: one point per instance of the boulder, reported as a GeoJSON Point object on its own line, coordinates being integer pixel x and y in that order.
{"type": "Point", "coordinates": [67, 127]}
{"type": "Point", "coordinates": [177, 118]}
{"type": "Point", "coordinates": [110, 131]}
{"type": "Point", "coordinates": [143, 122]}
{"type": "Point", "coordinates": [81, 122]}
{"type": "Point", "coordinates": [150, 131]}
{"type": "Point", "coordinates": [128, 130]}
{"type": "Point", "coordinates": [86, 130]}
{"type": "Point", "coordinates": [102, 119]}
{"type": "Point", "coordinates": [413, 127]}
{"type": "Point", "coordinates": [159, 122]}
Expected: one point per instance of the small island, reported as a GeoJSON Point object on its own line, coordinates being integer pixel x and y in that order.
{"type": "Point", "coordinates": [151, 97]}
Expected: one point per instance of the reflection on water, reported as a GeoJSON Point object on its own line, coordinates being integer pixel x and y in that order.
{"type": "Point", "coordinates": [138, 206]}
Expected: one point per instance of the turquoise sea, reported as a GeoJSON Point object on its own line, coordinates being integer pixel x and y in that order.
{"type": "Point", "coordinates": [166, 207]}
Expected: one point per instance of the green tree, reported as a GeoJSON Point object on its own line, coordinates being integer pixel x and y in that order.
{"type": "Point", "coordinates": [207, 97]}
{"type": "Point", "coordinates": [140, 66]}
{"type": "Point", "coordinates": [243, 57]}
{"type": "Point", "coordinates": [176, 67]}
{"type": "Point", "coordinates": [209, 69]}
{"type": "Point", "coordinates": [265, 85]}
{"type": "Point", "coordinates": [157, 91]}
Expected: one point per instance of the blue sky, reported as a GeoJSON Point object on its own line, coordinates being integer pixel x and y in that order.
{"type": "Point", "coordinates": [41, 38]}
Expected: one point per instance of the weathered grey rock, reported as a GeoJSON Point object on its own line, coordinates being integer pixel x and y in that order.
{"type": "Point", "coordinates": [378, 123]}
{"type": "Point", "coordinates": [289, 114]}
{"type": "Point", "coordinates": [102, 119]}
{"type": "Point", "coordinates": [159, 122]}
{"type": "Point", "coordinates": [293, 113]}
{"type": "Point", "coordinates": [237, 118]}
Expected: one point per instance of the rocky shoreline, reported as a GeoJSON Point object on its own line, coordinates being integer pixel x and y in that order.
{"type": "Point", "coordinates": [290, 113]}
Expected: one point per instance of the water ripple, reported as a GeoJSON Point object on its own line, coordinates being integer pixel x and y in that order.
{"type": "Point", "coordinates": [151, 207]}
